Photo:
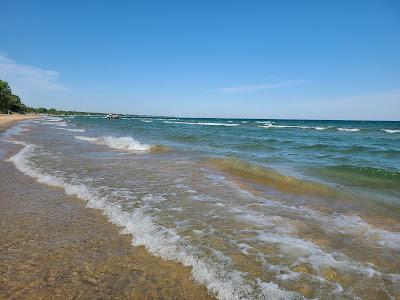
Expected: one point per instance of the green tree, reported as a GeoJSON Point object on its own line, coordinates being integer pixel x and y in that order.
{"type": "Point", "coordinates": [5, 97]}
{"type": "Point", "coordinates": [41, 110]}
{"type": "Point", "coordinates": [16, 105]}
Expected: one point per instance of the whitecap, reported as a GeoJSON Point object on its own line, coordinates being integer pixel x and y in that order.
{"type": "Point", "coordinates": [70, 129]}
{"type": "Point", "coordinates": [120, 143]}
{"type": "Point", "coordinates": [283, 126]}
{"type": "Point", "coordinates": [205, 123]}
{"type": "Point", "coordinates": [349, 129]}
{"type": "Point", "coordinates": [271, 125]}
{"type": "Point", "coordinates": [85, 138]}
{"type": "Point", "coordinates": [391, 130]}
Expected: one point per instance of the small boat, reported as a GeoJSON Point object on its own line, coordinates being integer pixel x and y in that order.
{"type": "Point", "coordinates": [112, 116]}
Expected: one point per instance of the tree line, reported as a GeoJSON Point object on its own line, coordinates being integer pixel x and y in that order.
{"type": "Point", "coordinates": [10, 103]}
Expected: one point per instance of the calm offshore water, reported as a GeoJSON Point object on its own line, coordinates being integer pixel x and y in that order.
{"type": "Point", "coordinates": [260, 209]}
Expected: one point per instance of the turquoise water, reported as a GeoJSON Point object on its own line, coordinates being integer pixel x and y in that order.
{"type": "Point", "coordinates": [259, 209]}
{"type": "Point", "coordinates": [354, 154]}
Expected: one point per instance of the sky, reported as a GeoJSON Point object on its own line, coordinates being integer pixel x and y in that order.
{"type": "Point", "coordinates": [241, 59]}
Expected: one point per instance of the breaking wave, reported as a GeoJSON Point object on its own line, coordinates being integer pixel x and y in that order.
{"type": "Point", "coordinates": [213, 270]}
{"type": "Point", "coordinates": [391, 130]}
{"type": "Point", "coordinates": [349, 129]}
{"type": "Point", "coordinates": [203, 123]}
{"type": "Point", "coordinates": [126, 143]}
{"type": "Point", "coordinates": [270, 177]}
{"type": "Point", "coordinates": [270, 125]}
{"type": "Point", "coordinates": [119, 143]}
{"type": "Point", "coordinates": [72, 130]}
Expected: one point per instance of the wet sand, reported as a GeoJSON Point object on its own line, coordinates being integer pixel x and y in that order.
{"type": "Point", "coordinates": [53, 247]}
{"type": "Point", "coordinates": [8, 120]}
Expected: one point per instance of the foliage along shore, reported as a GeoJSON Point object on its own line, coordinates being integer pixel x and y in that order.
{"type": "Point", "coordinates": [11, 103]}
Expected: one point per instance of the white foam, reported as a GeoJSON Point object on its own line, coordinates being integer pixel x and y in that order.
{"type": "Point", "coordinates": [270, 125]}
{"type": "Point", "coordinates": [349, 129]}
{"type": "Point", "coordinates": [53, 119]}
{"type": "Point", "coordinates": [70, 129]}
{"type": "Point", "coordinates": [212, 271]}
{"type": "Point", "coordinates": [306, 251]}
{"type": "Point", "coordinates": [264, 122]}
{"type": "Point", "coordinates": [354, 224]}
{"type": "Point", "coordinates": [121, 143]}
{"type": "Point", "coordinates": [331, 223]}
{"type": "Point", "coordinates": [274, 223]}
{"type": "Point", "coordinates": [391, 130]}
{"type": "Point", "coordinates": [205, 198]}
{"type": "Point", "coordinates": [86, 138]}
{"type": "Point", "coordinates": [346, 224]}
{"type": "Point", "coordinates": [54, 123]}
{"type": "Point", "coordinates": [203, 123]}
{"type": "Point", "coordinates": [16, 129]}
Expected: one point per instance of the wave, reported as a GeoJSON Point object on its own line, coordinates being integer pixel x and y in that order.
{"type": "Point", "coordinates": [54, 123]}
{"type": "Point", "coordinates": [69, 129]}
{"type": "Point", "coordinates": [270, 125]}
{"type": "Point", "coordinates": [264, 122]}
{"type": "Point", "coordinates": [86, 138]}
{"type": "Point", "coordinates": [123, 143]}
{"type": "Point", "coordinates": [184, 137]}
{"type": "Point", "coordinates": [214, 271]}
{"type": "Point", "coordinates": [317, 147]}
{"type": "Point", "coordinates": [120, 143]}
{"type": "Point", "coordinates": [270, 177]}
{"type": "Point", "coordinates": [391, 130]}
{"type": "Point", "coordinates": [55, 119]}
{"type": "Point", "coordinates": [348, 129]}
{"type": "Point", "coordinates": [203, 123]}
{"type": "Point", "coordinates": [283, 126]}
{"type": "Point", "coordinates": [363, 176]}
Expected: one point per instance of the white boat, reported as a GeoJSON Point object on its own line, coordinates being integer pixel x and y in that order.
{"type": "Point", "coordinates": [112, 116]}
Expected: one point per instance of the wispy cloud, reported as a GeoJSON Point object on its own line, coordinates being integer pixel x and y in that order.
{"type": "Point", "coordinates": [259, 87]}
{"type": "Point", "coordinates": [24, 78]}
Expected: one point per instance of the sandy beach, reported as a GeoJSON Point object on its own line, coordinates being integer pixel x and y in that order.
{"type": "Point", "coordinates": [53, 247]}
{"type": "Point", "coordinates": [8, 120]}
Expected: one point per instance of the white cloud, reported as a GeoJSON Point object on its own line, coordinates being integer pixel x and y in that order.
{"type": "Point", "coordinates": [259, 87]}
{"type": "Point", "coordinates": [26, 79]}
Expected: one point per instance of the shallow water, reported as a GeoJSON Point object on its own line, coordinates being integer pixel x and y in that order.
{"type": "Point", "coordinates": [259, 209]}
{"type": "Point", "coordinates": [52, 247]}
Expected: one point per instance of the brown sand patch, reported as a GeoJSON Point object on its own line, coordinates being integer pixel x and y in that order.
{"type": "Point", "coordinates": [7, 121]}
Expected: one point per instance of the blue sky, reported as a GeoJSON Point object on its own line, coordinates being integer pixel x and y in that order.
{"type": "Point", "coordinates": [261, 59]}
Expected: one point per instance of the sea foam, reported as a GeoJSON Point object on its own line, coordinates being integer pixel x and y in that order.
{"type": "Point", "coordinates": [119, 143]}
{"type": "Point", "coordinates": [270, 125]}
{"type": "Point", "coordinates": [204, 123]}
{"type": "Point", "coordinates": [349, 129]}
{"type": "Point", "coordinates": [70, 129]}
{"type": "Point", "coordinates": [213, 271]}
{"type": "Point", "coordinates": [391, 130]}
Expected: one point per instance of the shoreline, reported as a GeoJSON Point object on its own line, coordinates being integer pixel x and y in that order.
{"type": "Point", "coordinates": [6, 121]}
{"type": "Point", "coordinates": [53, 246]}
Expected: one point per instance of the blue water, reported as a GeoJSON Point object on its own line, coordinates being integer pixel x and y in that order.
{"type": "Point", "coordinates": [307, 149]}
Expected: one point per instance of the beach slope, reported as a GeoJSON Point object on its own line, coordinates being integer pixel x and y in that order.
{"type": "Point", "coordinates": [52, 246]}
{"type": "Point", "coordinates": [8, 120]}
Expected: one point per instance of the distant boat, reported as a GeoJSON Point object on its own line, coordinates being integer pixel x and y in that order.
{"type": "Point", "coordinates": [112, 116]}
